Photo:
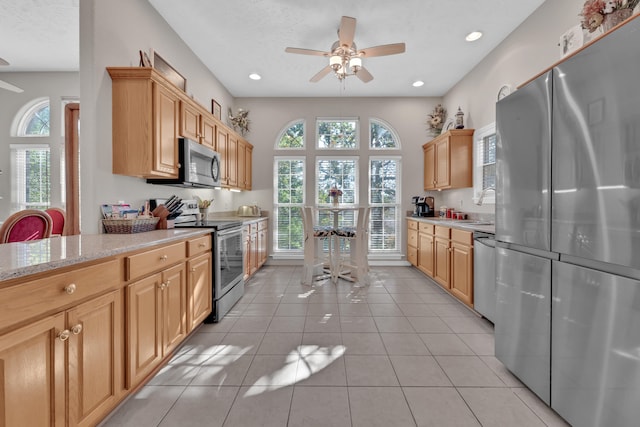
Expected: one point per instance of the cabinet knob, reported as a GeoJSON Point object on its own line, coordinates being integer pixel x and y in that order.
{"type": "Point", "coordinates": [71, 288]}
{"type": "Point", "coordinates": [64, 335]}
{"type": "Point", "coordinates": [164, 258]}
{"type": "Point", "coordinates": [168, 283]}
{"type": "Point", "coordinates": [202, 245]}
{"type": "Point", "coordinates": [193, 269]}
{"type": "Point", "coordinates": [179, 165]}
{"type": "Point", "coordinates": [162, 286]}
{"type": "Point", "coordinates": [76, 329]}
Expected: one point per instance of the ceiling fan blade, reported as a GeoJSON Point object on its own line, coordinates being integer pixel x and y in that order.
{"type": "Point", "coordinates": [3, 61]}
{"type": "Point", "coordinates": [9, 86]}
{"type": "Point", "coordinates": [364, 75]}
{"type": "Point", "coordinates": [326, 70]}
{"type": "Point", "coordinates": [347, 31]}
{"type": "Point", "coordinates": [302, 51]}
{"type": "Point", "coordinates": [382, 50]}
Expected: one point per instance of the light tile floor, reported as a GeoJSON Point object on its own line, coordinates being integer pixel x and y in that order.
{"type": "Point", "coordinates": [400, 352]}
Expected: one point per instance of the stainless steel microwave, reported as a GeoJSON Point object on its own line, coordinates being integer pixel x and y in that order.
{"type": "Point", "coordinates": [199, 166]}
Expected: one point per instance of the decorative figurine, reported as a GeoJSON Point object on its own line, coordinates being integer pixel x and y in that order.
{"type": "Point", "coordinates": [459, 119]}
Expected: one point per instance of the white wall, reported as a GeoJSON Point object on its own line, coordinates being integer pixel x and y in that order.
{"type": "Point", "coordinates": [35, 85]}
{"type": "Point", "coordinates": [111, 34]}
{"type": "Point", "coordinates": [527, 51]}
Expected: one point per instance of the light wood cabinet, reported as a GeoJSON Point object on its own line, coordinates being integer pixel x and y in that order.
{"type": "Point", "coordinates": [426, 248]}
{"type": "Point", "coordinates": [262, 242]}
{"type": "Point", "coordinates": [412, 242]}
{"type": "Point", "coordinates": [462, 265]}
{"type": "Point", "coordinates": [199, 291]}
{"type": "Point", "coordinates": [441, 261]}
{"type": "Point", "coordinates": [95, 358]}
{"type": "Point", "coordinates": [156, 320]}
{"type": "Point", "coordinates": [145, 120]}
{"type": "Point", "coordinates": [32, 368]}
{"type": "Point", "coordinates": [448, 160]}
{"type": "Point", "coordinates": [231, 160]}
{"type": "Point", "coordinates": [255, 237]}
{"type": "Point", "coordinates": [197, 125]}
{"type": "Point", "coordinates": [245, 160]}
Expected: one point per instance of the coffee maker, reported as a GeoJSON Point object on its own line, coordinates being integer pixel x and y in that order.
{"type": "Point", "coordinates": [414, 202]}
{"type": "Point", "coordinates": [424, 206]}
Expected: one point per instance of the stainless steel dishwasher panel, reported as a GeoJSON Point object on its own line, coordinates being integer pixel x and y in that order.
{"type": "Point", "coordinates": [523, 317]}
{"type": "Point", "coordinates": [484, 275]}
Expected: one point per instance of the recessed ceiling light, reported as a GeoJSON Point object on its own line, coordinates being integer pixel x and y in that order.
{"type": "Point", "coordinates": [255, 76]}
{"type": "Point", "coordinates": [473, 36]}
{"type": "Point", "coordinates": [418, 83]}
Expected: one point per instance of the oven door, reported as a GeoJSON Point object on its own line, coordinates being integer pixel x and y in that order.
{"type": "Point", "coordinates": [228, 261]}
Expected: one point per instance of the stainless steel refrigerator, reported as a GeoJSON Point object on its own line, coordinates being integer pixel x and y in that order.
{"type": "Point", "coordinates": [568, 233]}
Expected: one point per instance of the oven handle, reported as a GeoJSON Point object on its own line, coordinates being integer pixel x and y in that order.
{"type": "Point", "coordinates": [229, 231]}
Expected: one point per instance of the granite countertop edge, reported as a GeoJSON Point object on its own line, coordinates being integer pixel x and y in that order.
{"type": "Point", "coordinates": [27, 258]}
{"type": "Point", "coordinates": [452, 223]}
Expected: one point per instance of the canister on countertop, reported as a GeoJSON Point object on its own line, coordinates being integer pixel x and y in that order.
{"type": "Point", "coordinates": [443, 211]}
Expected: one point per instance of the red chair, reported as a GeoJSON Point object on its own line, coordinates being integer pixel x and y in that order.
{"type": "Point", "coordinates": [29, 224]}
{"type": "Point", "coordinates": [59, 218]}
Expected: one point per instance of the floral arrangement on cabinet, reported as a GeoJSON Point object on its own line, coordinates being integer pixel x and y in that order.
{"type": "Point", "coordinates": [436, 119]}
{"type": "Point", "coordinates": [240, 121]}
{"type": "Point", "coordinates": [606, 13]}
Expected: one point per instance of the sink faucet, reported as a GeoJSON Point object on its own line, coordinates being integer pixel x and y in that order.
{"type": "Point", "coordinates": [484, 193]}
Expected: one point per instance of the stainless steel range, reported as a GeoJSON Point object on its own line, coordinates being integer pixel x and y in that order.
{"type": "Point", "coordinates": [228, 258]}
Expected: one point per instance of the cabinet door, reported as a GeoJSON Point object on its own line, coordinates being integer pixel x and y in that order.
{"type": "Point", "coordinates": [232, 160]}
{"type": "Point", "coordinates": [95, 358]}
{"type": "Point", "coordinates": [442, 261]}
{"type": "Point", "coordinates": [189, 122]}
{"type": "Point", "coordinates": [174, 307]}
{"type": "Point", "coordinates": [241, 163]}
{"type": "Point", "coordinates": [166, 107]}
{"type": "Point", "coordinates": [246, 235]}
{"type": "Point", "coordinates": [425, 253]}
{"type": "Point", "coordinates": [462, 272]}
{"type": "Point", "coordinates": [144, 328]}
{"type": "Point", "coordinates": [248, 164]}
{"type": "Point", "coordinates": [442, 163]}
{"type": "Point", "coordinates": [429, 167]}
{"type": "Point", "coordinates": [254, 249]}
{"type": "Point", "coordinates": [199, 290]}
{"type": "Point", "coordinates": [32, 372]}
{"type": "Point", "coordinates": [262, 247]}
{"type": "Point", "coordinates": [222, 147]}
{"type": "Point", "coordinates": [208, 132]}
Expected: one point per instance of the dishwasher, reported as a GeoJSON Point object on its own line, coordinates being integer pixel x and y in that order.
{"type": "Point", "coordinates": [484, 274]}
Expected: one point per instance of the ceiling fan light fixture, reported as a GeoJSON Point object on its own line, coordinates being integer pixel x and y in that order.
{"type": "Point", "coordinates": [473, 36]}
{"type": "Point", "coordinates": [418, 83]}
{"type": "Point", "coordinates": [335, 61]}
{"type": "Point", "coordinates": [255, 76]}
{"type": "Point", "coordinates": [355, 64]}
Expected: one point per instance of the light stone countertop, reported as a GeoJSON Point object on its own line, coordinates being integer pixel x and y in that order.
{"type": "Point", "coordinates": [25, 258]}
{"type": "Point", "coordinates": [467, 225]}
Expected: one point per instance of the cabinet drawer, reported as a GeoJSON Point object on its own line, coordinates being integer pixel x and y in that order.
{"type": "Point", "coordinates": [262, 225]}
{"type": "Point", "coordinates": [425, 227]}
{"type": "Point", "coordinates": [412, 225]}
{"type": "Point", "coordinates": [199, 245]}
{"type": "Point", "coordinates": [443, 231]}
{"type": "Point", "coordinates": [460, 236]}
{"type": "Point", "coordinates": [412, 255]}
{"type": "Point", "coordinates": [412, 238]}
{"type": "Point", "coordinates": [155, 259]}
{"type": "Point", "coordinates": [33, 298]}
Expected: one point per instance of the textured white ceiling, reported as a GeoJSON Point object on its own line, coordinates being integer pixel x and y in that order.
{"type": "Point", "coordinates": [237, 37]}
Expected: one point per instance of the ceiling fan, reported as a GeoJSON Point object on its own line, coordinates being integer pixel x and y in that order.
{"type": "Point", "coordinates": [344, 57]}
{"type": "Point", "coordinates": [5, 85]}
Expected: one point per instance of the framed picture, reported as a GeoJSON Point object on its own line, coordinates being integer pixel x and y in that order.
{"type": "Point", "coordinates": [169, 72]}
{"type": "Point", "coordinates": [144, 59]}
{"type": "Point", "coordinates": [216, 109]}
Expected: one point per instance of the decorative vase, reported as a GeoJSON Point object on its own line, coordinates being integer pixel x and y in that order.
{"type": "Point", "coordinates": [614, 18]}
{"type": "Point", "coordinates": [334, 200]}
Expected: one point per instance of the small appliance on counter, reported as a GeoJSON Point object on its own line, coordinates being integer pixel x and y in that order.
{"type": "Point", "coordinates": [424, 206]}
{"type": "Point", "coordinates": [414, 202]}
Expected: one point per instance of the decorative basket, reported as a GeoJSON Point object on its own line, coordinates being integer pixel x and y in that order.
{"type": "Point", "coordinates": [129, 226]}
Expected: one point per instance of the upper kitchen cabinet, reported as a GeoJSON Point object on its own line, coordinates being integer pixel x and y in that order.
{"type": "Point", "coordinates": [145, 110]}
{"type": "Point", "coordinates": [245, 160]}
{"type": "Point", "coordinates": [197, 124]}
{"type": "Point", "coordinates": [448, 160]}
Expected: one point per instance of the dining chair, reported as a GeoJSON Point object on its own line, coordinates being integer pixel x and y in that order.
{"type": "Point", "coordinates": [59, 218]}
{"type": "Point", "coordinates": [356, 260]}
{"type": "Point", "coordinates": [316, 262]}
{"type": "Point", "coordinates": [28, 224]}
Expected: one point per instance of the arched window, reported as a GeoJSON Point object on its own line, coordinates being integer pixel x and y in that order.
{"type": "Point", "coordinates": [32, 119]}
{"type": "Point", "coordinates": [292, 136]}
{"type": "Point", "coordinates": [382, 136]}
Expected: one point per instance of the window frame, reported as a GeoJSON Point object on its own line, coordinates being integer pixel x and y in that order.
{"type": "Point", "coordinates": [286, 128]}
{"type": "Point", "coordinates": [389, 128]}
{"type": "Point", "coordinates": [356, 120]}
{"type": "Point", "coordinates": [25, 115]}
{"type": "Point", "coordinates": [355, 159]}
{"type": "Point", "coordinates": [478, 165]}
{"type": "Point", "coordinates": [397, 205]}
{"type": "Point", "coordinates": [18, 174]}
{"type": "Point", "coordinates": [277, 205]}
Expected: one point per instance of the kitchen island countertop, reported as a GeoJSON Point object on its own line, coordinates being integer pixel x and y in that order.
{"type": "Point", "coordinates": [37, 256]}
{"type": "Point", "coordinates": [468, 225]}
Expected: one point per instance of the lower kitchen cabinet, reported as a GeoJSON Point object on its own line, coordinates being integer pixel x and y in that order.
{"type": "Point", "coordinates": [444, 254]}
{"type": "Point", "coordinates": [412, 242]}
{"type": "Point", "coordinates": [32, 366]}
{"type": "Point", "coordinates": [156, 320]}
{"type": "Point", "coordinates": [255, 244]}
{"type": "Point", "coordinates": [199, 297]}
